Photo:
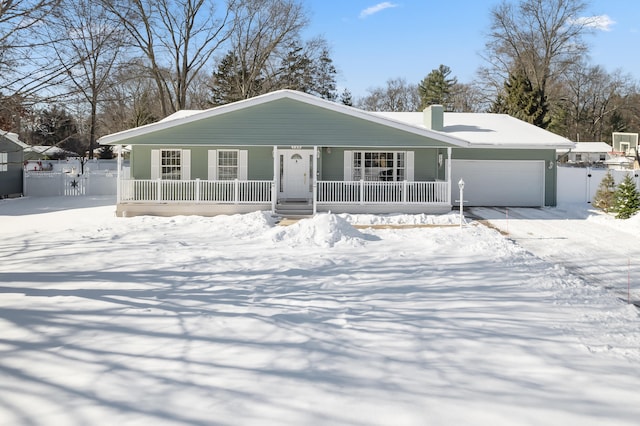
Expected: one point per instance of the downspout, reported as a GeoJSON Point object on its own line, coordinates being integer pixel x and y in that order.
{"type": "Point", "coordinates": [119, 173]}
{"type": "Point", "coordinates": [313, 178]}
{"type": "Point", "coordinates": [449, 173]}
{"type": "Point", "coordinates": [274, 189]}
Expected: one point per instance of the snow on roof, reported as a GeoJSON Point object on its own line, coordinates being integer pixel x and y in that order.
{"type": "Point", "coordinates": [188, 116]}
{"type": "Point", "coordinates": [619, 160]}
{"type": "Point", "coordinates": [47, 149]}
{"type": "Point", "coordinates": [489, 130]}
{"type": "Point", "coordinates": [589, 147]}
{"type": "Point", "coordinates": [460, 129]}
{"type": "Point", "coordinates": [183, 113]}
{"type": "Point", "coordinates": [13, 137]}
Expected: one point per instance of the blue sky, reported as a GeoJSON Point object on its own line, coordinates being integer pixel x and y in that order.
{"type": "Point", "coordinates": [372, 41]}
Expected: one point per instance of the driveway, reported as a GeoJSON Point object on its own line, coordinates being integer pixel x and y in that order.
{"type": "Point", "coordinates": [598, 248]}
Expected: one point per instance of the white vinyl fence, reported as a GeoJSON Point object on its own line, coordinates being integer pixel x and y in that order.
{"type": "Point", "coordinates": [46, 184]}
{"type": "Point", "coordinates": [579, 184]}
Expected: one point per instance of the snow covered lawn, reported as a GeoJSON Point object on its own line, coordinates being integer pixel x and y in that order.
{"type": "Point", "coordinates": [234, 320]}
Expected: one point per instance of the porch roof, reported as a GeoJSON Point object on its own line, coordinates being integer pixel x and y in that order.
{"type": "Point", "coordinates": [416, 135]}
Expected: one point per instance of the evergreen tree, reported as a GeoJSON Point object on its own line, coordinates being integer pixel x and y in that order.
{"type": "Point", "coordinates": [296, 70]}
{"type": "Point", "coordinates": [325, 77]}
{"type": "Point", "coordinates": [627, 198]}
{"type": "Point", "coordinates": [302, 70]}
{"type": "Point", "coordinates": [106, 152]}
{"type": "Point", "coordinates": [346, 98]}
{"type": "Point", "coordinates": [617, 122]}
{"type": "Point", "coordinates": [228, 80]}
{"type": "Point", "coordinates": [523, 101]}
{"type": "Point", "coordinates": [605, 195]}
{"type": "Point", "coordinates": [437, 88]}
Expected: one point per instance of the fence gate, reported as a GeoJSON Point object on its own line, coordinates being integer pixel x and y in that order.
{"type": "Point", "coordinates": [74, 184]}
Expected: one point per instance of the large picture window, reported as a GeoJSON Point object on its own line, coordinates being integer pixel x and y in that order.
{"type": "Point", "coordinates": [379, 166]}
{"type": "Point", "coordinates": [4, 161]}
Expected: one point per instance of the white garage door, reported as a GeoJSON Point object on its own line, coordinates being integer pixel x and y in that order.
{"type": "Point", "coordinates": [499, 183]}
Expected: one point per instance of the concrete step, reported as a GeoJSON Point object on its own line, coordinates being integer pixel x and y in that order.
{"type": "Point", "coordinates": [299, 209]}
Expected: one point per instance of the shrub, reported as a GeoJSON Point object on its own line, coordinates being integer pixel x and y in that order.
{"type": "Point", "coordinates": [627, 198]}
{"type": "Point", "coordinates": [605, 195]}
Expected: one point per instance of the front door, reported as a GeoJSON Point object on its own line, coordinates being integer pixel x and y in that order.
{"type": "Point", "coordinates": [295, 174]}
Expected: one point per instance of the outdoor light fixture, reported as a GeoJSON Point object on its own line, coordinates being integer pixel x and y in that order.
{"type": "Point", "coordinates": [461, 186]}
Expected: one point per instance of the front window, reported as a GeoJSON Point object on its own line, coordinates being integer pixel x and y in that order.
{"type": "Point", "coordinates": [4, 161]}
{"type": "Point", "coordinates": [170, 164]}
{"type": "Point", "coordinates": [227, 165]}
{"type": "Point", "coordinates": [379, 166]}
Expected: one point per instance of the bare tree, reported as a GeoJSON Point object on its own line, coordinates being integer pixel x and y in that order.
{"type": "Point", "coordinates": [468, 98]}
{"type": "Point", "coordinates": [25, 68]}
{"type": "Point", "coordinates": [88, 42]}
{"type": "Point", "coordinates": [590, 95]}
{"type": "Point", "coordinates": [263, 29]}
{"type": "Point", "coordinates": [539, 38]}
{"type": "Point", "coordinates": [131, 102]}
{"type": "Point", "coordinates": [396, 96]}
{"type": "Point", "coordinates": [177, 38]}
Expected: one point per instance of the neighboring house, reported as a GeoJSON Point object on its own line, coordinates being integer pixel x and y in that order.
{"type": "Point", "coordinates": [294, 153]}
{"type": "Point", "coordinates": [11, 159]}
{"type": "Point", "coordinates": [46, 152]}
{"type": "Point", "coordinates": [586, 154]}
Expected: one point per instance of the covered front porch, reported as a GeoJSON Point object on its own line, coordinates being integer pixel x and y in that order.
{"type": "Point", "coordinates": [297, 188]}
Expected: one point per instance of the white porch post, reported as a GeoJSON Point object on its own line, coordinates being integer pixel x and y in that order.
{"type": "Point", "coordinates": [274, 189]}
{"type": "Point", "coordinates": [118, 173]}
{"type": "Point", "coordinates": [449, 173]}
{"type": "Point", "coordinates": [313, 178]}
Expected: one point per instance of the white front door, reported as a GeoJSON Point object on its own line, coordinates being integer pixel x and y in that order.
{"type": "Point", "coordinates": [295, 174]}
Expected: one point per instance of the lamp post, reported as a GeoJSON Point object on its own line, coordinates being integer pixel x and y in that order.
{"type": "Point", "coordinates": [461, 186]}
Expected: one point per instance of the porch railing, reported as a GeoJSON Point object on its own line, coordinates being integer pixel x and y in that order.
{"type": "Point", "coordinates": [197, 191]}
{"type": "Point", "coordinates": [262, 191]}
{"type": "Point", "coordinates": [374, 192]}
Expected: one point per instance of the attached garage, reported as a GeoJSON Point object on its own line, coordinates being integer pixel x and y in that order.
{"type": "Point", "coordinates": [510, 183]}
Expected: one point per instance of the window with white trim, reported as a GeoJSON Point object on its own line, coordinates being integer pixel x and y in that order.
{"type": "Point", "coordinates": [171, 164]}
{"type": "Point", "coordinates": [4, 161]}
{"type": "Point", "coordinates": [379, 165]}
{"type": "Point", "coordinates": [227, 164]}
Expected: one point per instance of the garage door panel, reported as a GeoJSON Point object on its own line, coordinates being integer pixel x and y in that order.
{"type": "Point", "coordinates": [499, 183]}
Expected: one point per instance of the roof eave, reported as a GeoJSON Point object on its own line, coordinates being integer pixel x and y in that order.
{"type": "Point", "coordinates": [522, 146]}
{"type": "Point", "coordinates": [116, 138]}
